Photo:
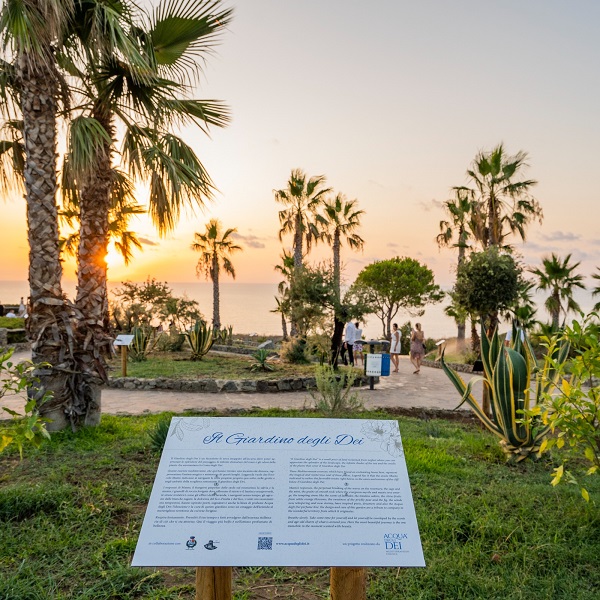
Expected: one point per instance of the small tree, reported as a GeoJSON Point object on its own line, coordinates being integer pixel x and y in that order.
{"type": "Point", "coordinates": [486, 283]}
{"type": "Point", "coordinates": [388, 286]}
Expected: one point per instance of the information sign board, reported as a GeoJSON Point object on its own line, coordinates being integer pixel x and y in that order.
{"type": "Point", "coordinates": [373, 365]}
{"type": "Point", "coordinates": [280, 492]}
{"type": "Point", "coordinates": [123, 340]}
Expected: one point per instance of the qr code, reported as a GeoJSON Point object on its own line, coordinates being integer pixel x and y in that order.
{"type": "Point", "coordinates": [265, 543]}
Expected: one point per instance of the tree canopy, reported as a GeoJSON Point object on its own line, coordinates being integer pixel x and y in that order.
{"type": "Point", "coordinates": [486, 283]}
{"type": "Point", "coordinates": [388, 286]}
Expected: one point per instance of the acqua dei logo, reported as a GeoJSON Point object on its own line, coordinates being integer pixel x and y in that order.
{"type": "Point", "coordinates": [393, 541]}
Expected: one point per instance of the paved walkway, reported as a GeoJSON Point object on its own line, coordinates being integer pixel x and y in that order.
{"type": "Point", "coordinates": [430, 390]}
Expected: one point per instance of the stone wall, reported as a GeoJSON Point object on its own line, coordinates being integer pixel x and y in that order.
{"type": "Point", "coordinates": [215, 386]}
{"type": "Point", "coordinates": [461, 367]}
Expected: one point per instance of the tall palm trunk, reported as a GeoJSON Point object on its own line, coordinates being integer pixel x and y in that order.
{"type": "Point", "coordinates": [556, 310]}
{"type": "Point", "coordinates": [337, 265]}
{"type": "Point", "coordinates": [92, 334]}
{"type": "Point", "coordinates": [461, 323]}
{"type": "Point", "coordinates": [216, 300]}
{"type": "Point", "coordinates": [48, 323]}
{"type": "Point", "coordinates": [493, 222]}
{"type": "Point", "coordinates": [298, 242]}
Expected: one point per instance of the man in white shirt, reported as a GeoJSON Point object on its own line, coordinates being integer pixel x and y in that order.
{"type": "Point", "coordinates": [349, 339]}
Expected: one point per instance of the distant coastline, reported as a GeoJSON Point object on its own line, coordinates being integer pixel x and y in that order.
{"type": "Point", "coordinates": [247, 307]}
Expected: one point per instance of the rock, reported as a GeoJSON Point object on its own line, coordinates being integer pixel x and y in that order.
{"type": "Point", "coordinates": [268, 345]}
{"type": "Point", "coordinates": [248, 385]}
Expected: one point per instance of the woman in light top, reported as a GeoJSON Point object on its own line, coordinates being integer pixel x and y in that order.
{"type": "Point", "coordinates": [395, 348]}
{"type": "Point", "coordinates": [358, 345]}
{"type": "Point", "coordinates": [417, 347]}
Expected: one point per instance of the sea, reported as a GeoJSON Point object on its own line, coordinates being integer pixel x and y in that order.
{"type": "Point", "coordinates": [247, 307]}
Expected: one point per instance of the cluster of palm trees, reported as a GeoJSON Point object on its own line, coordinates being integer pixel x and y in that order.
{"type": "Point", "coordinates": [119, 80]}
{"type": "Point", "coordinates": [312, 213]}
{"type": "Point", "coordinates": [495, 208]}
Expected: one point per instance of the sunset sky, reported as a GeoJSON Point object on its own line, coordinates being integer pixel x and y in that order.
{"type": "Point", "coordinates": [391, 100]}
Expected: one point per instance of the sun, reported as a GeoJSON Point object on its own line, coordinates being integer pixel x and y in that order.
{"type": "Point", "coordinates": [114, 258]}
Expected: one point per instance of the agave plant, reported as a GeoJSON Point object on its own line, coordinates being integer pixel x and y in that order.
{"type": "Point", "coordinates": [261, 356]}
{"type": "Point", "coordinates": [200, 339]}
{"type": "Point", "coordinates": [508, 373]}
{"type": "Point", "coordinates": [142, 344]}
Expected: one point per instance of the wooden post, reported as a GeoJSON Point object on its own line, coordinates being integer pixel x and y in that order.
{"type": "Point", "coordinates": [213, 583]}
{"type": "Point", "coordinates": [348, 583]}
{"type": "Point", "coordinates": [123, 361]}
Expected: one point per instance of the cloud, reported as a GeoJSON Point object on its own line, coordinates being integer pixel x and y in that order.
{"type": "Point", "coordinates": [433, 204]}
{"type": "Point", "coordinates": [147, 241]}
{"type": "Point", "coordinates": [251, 241]}
{"type": "Point", "coordinates": [376, 183]}
{"type": "Point", "coordinates": [561, 236]}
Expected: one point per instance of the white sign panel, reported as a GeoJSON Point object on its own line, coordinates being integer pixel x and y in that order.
{"type": "Point", "coordinates": [123, 340]}
{"type": "Point", "coordinates": [373, 365]}
{"type": "Point", "coordinates": [280, 492]}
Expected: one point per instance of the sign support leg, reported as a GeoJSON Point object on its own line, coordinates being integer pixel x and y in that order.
{"type": "Point", "coordinates": [213, 583]}
{"type": "Point", "coordinates": [348, 583]}
{"type": "Point", "coordinates": [123, 361]}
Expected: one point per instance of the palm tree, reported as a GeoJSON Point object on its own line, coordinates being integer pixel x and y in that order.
{"type": "Point", "coordinates": [557, 276]}
{"type": "Point", "coordinates": [31, 87]}
{"type": "Point", "coordinates": [506, 205]}
{"type": "Point", "coordinates": [301, 199]}
{"type": "Point", "coordinates": [340, 220]}
{"type": "Point", "coordinates": [141, 77]}
{"type": "Point", "coordinates": [139, 80]}
{"type": "Point", "coordinates": [215, 246]}
{"type": "Point", "coordinates": [460, 225]}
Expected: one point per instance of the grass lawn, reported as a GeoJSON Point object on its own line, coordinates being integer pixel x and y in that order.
{"type": "Point", "coordinates": [71, 511]}
{"type": "Point", "coordinates": [177, 365]}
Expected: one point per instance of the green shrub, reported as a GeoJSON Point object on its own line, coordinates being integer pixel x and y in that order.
{"type": "Point", "coordinates": [571, 400]}
{"type": "Point", "coordinates": [27, 428]}
{"type": "Point", "coordinates": [335, 394]}
{"type": "Point", "coordinates": [158, 436]}
{"type": "Point", "coordinates": [294, 351]}
{"type": "Point", "coordinates": [12, 323]}
{"type": "Point", "coordinates": [171, 342]}
{"type": "Point", "coordinates": [200, 338]}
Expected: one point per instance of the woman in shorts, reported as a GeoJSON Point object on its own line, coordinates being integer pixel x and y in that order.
{"type": "Point", "coordinates": [395, 347]}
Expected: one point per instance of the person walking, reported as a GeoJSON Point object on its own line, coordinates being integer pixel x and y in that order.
{"type": "Point", "coordinates": [417, 347]}
{"type": "Point", "coordinates": [357, 348]}
{"type": "Point", "coordinates": [395, 347]}
{"type": "Point", "coordinates": [347, 346]}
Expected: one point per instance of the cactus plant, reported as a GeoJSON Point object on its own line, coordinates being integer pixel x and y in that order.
{"type": "Point", "coordinates": [142, 344]}
{"type": "Point", "coordinates": [508, 372]}
{"type": "Point", "coordinates": [200, 339]}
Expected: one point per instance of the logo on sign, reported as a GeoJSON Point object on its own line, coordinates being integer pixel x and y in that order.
{"type": "Point", "coordinates": [393, 541]}
{"type": "Point", "coordinates": [210, 545]}
{"type": "Point", "coordinates": [191, 543]}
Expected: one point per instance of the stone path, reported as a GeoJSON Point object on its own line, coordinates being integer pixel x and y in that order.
{"type": "Point", "coordinates": [430, 390]}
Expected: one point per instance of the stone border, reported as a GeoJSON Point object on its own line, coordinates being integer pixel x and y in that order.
{"type": "Point", "coordinates": [461, 367]}
{"type": "Point", "coordinates": [216, 386]}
